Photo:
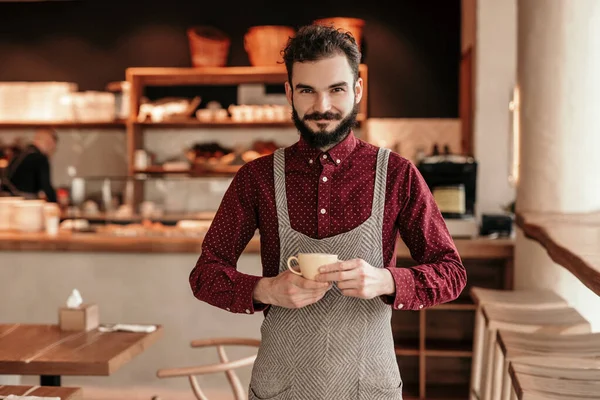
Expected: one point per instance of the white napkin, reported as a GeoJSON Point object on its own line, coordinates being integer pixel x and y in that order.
{"type": "Point", "coordinates": [127, 328]}
{"type": "Point", "coordinates": [74, 299]}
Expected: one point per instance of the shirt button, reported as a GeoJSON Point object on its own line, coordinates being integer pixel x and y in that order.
{"type": "Point", "coordinates": [310, 161]}
{"type": "Point", "coordinates": [247, 311]}
{"type": "Point", "coordinates": [228, 309]}
{"type": "Point", "coordinates": [338, 161]}
{"type": "Point", "coordinates": [323, 211]}
{"type": "Point", "coordinates": [324, 179]}
{"type": "Point", "coordinates": [324, 156]}
{"type": "Point", "coordinates": [420, 305]}
{"type": "Point", "coordinates": [400, 306]}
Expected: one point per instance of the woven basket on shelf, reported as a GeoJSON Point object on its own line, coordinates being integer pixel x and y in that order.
{"type": "Point", "coordinates": [209, 46]}
{"type": "Point", "coordinates": [265, 43]}
{"type": "Point", "coordinates": [352, 25]}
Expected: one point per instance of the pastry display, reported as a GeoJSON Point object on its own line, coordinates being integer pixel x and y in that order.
{"type": "Point", "coordinates": [212, 156]}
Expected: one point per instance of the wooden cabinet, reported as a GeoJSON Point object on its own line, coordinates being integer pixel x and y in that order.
{"type": "Point", "coordinates": [434, 346]}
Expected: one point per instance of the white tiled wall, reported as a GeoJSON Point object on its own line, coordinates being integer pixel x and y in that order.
{"type": "Point", "coordinates": [406, 136]}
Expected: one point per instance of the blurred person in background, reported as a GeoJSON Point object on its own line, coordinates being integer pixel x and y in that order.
{"type": "Point", "coordinates": [28, 174]}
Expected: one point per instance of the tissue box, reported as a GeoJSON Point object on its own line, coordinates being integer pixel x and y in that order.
{"type": "Point", "coordinates": [83, 318]}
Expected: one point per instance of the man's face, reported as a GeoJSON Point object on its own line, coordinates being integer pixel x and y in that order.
{"type": "Point", "coordinates": [324, 99]}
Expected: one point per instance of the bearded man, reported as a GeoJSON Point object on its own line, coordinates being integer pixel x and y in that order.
{"type": "Point", "coordinates": [328, 338]}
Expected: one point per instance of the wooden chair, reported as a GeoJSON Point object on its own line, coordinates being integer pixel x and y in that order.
{"type": "Point", "coordinates": [239, 392]}
{"type": "Point", "coordinates": [573, 351]}
{"type": "Point", "coordinates": [513, 299]}
{"type": "Point", "coordinates": [565, 320]}
{"type": "Point", "coordinates": [555, 379]}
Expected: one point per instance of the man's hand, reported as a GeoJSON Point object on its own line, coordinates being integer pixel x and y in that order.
{"type": "Point", "coordinates": [289, 290]}
{"type": "Point", "coordinates": [356, 278]}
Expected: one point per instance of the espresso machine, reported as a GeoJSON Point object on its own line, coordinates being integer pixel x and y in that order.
{"type": "Point", "coordinates": [452, 180]}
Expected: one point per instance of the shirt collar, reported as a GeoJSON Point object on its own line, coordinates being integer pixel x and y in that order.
{"type": "Point", "coordinates": [337, 153]}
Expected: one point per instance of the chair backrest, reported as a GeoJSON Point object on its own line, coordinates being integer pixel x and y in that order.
{"type": "Point", "coordinates": [223, 366]}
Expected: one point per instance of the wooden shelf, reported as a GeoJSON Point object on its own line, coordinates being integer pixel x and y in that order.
{"type": "Point", "coordinates": [66, 125]}
{"type": "Point", "coordinates": [439, 337]}
{"type": "Point", "coordinates": [104, 218]}
{"type": "Point", "coordinates": [194, 123]}
{"type": "Point", "coordinates": [207, 75]}
{"type": "Point", "coordinates": [448, 348]}
{"type": "Point", "coordinates": [211, 75]}
{"type": "Point", "coordinates": [229, 123]}
{"type": "Point", "coordinates": [407, 347]}
{"type": "Point", "coordinates": [141, 77]}
{"type": "Point", "coordinates": [225, 171]}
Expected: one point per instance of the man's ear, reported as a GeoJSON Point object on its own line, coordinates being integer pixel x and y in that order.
{"type": "Point", "coordinates": [358, 90]}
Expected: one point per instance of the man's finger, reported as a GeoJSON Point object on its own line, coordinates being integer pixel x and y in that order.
{"type": "Point", "coordinates": [309, 284]}
{"type": "Point", "coordinates": [338, 266]}
{"type": "Point", "coordinates": [337, 276]}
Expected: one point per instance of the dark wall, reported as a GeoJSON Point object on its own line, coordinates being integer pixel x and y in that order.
{"type": "Point", "coordinates": [413, 51]}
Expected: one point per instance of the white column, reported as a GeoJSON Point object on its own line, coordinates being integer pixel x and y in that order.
{"type": "Point", "coordinates": [495, 78]}
{"type": "Point", "coordinates": [558, 75]}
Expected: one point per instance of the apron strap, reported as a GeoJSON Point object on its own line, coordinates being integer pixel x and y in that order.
{"type": "Point", "coordinates": [280, 193]}
{"type": "Point", "coordinates": [383, 156]}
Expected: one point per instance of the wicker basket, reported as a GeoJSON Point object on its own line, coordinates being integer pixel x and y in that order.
{"type": "Point", "coordinates": [352, 25]}
{"type": "Point", "coordinates": [265, 43]}
{"type": "Point", "coordinates": [209, 46]}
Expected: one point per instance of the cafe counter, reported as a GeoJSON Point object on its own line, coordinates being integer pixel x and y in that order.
{"type": "Point", "coordinates": [144, 280]}
{"type": "Point", "coordinates": [91, 242]}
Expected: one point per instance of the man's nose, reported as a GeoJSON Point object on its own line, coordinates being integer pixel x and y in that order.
{"type": "Point", "coordinates": [323, 103]}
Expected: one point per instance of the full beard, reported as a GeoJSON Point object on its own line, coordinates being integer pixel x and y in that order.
{"type": "Point", "coordinates": [322, 138]}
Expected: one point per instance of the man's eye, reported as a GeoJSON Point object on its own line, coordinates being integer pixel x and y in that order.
{"type": "Point", "coordinates": [338, 89]}
{"type": "Point", "coordinates": [305, 91]}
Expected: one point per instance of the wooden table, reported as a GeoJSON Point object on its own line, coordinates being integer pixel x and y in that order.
{"type": "Point", "coordinates": [47, 351]}
{"type": "Point", "coordinates": [571, 240]}
{"type": "Point", "coordinates": [64, 393]}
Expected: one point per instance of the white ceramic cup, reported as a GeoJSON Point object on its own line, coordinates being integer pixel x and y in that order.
{"type": "Point", "coordinates": [51, 218]}
{"type": "Point", "coordinates": [310, 262]}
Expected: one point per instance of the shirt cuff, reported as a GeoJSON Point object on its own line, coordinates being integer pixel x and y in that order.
{"type": "Point", "coordinates": [405, 298]}
{"type": "Point", "coordinates": [243, 301]}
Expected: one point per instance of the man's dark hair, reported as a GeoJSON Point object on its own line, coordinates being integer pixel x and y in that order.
{"type": "Point", "coordinates": [317, 42]}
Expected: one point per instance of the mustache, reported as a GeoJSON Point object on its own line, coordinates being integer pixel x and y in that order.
{"type": "Point", "coordinates": [330, 116]}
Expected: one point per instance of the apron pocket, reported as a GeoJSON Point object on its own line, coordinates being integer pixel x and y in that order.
{"type": "Point", "coordinates": [285, 395]}
{"type": "Point", "coordinates": [367, 391]}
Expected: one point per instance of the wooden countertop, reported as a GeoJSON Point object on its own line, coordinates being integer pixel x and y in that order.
{"type": "Point", "coordinates": [571, 240]}
{"type": "Point", "coordinates": [89, 242]}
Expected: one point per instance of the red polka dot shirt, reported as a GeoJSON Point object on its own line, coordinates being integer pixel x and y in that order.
{"type": "Point", "coordinates": [341, 182]}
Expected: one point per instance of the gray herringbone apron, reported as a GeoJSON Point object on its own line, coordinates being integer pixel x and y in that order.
{"type": "Point", "coordinates": [340, 348]}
